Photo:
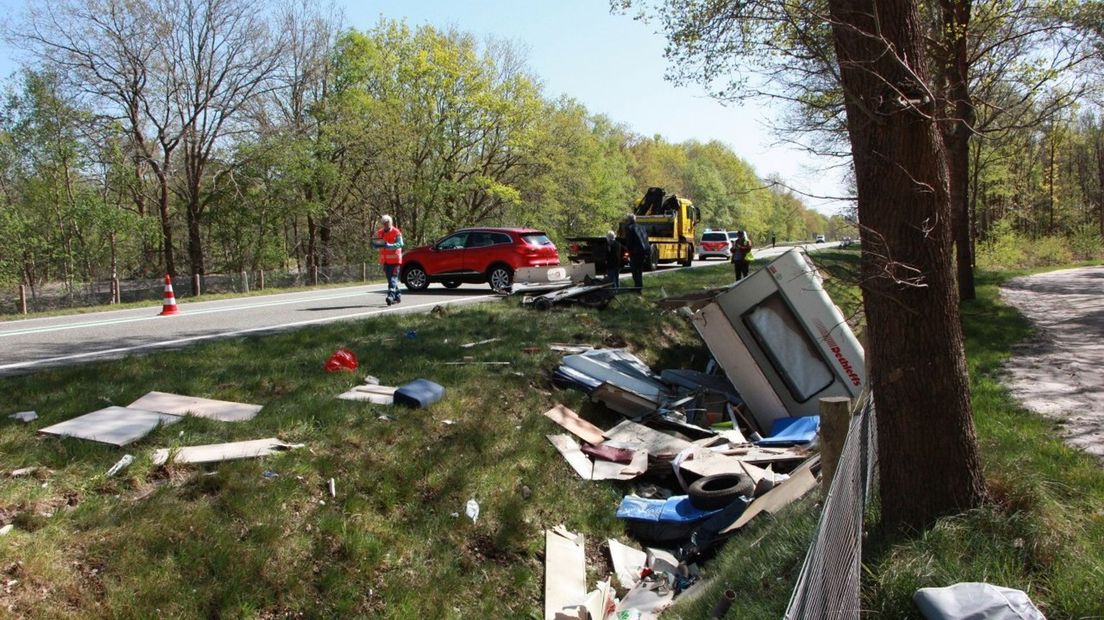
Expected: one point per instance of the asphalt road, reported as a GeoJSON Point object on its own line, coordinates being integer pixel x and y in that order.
{"type": "Point", "coordinates": [31, 344]}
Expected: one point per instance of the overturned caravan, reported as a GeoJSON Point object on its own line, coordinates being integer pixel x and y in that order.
{"type": "Point", "coordinates": [781, 341]}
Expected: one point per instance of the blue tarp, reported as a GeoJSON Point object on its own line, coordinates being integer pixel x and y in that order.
{"type": "Point", "coordinates": [676, 509]}
{"type": "Point", "coordinates": [788, 431]}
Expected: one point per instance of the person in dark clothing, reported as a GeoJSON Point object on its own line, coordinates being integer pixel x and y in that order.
{"type": "Point", "coordinates": [772, 240]}
{"type": "Point", "coordinates": [613, 259]}
{"type": "Point", "coordinates": [639, 249]}
{"type": "Point", "coordinates": [741, 247]}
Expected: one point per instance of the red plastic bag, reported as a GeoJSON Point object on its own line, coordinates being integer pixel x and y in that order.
{"type": "Point", "coordinates": [342, 359]}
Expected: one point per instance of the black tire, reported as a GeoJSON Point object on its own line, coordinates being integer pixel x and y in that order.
{"type": "Point", "coordinates": [500, 277]}
{"type": "Point", "coordinates": [720, 490]}
{"type": "Point", "coordinates": [689, 255]}
{"type": "Point", "coordinates": [415, 277]}
{"type": "Point", "coordinates": [542, 304]}
{"type": "Point", "coordinates": [450, 284]}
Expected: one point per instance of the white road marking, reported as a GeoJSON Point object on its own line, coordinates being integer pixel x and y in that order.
{"type": "Point", "coordinates": [168, 343]}
{"type": "Point", "coordinates": [153, 317]}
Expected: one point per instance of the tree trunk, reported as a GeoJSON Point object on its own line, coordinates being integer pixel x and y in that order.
{"type": "Point", "coordinates": [166, 223]}
{"type": "Point", "coordinates": [927, 448]}
{"type": "Point", "coordinates": [960, 127]}
{"type": "Point", "coordinates": [195, 243]}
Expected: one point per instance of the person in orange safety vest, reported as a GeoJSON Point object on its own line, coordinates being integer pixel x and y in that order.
{"type": "Point", "coordinates": [390, 243]}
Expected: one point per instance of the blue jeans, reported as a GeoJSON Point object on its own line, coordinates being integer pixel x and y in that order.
{"type": "Point", "coordinates": [392, 274]}
{"type": "Point", "coordinates": [614, 275]}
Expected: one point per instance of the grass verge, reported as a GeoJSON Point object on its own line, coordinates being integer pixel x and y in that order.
{"type": "Point", "coordinates": [1042, 531]}
{"type": "Point", "coordinates": [263, 538]}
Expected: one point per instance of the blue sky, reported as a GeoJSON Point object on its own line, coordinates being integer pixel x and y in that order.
{"type": "Point", "coordinates": [611, 63]}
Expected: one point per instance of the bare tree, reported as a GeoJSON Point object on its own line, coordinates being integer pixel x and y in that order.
{"type": "Point", "coordinates": [109, 49]}
{"type": "Point", "coordinates": [219, 55]}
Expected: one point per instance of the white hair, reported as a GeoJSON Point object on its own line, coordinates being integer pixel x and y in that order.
{"type": "Point", "coordinates": [386, 219]}
{"type": "Point", "coordinates": [610, 235]}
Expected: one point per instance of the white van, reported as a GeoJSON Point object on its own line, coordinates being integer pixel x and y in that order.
{"type": "Point", "coordinates": [782, 342]}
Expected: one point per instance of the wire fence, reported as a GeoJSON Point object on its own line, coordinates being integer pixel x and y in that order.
{"type": "Point", "coordinates": [831, 577]}
{"type": "Point", "coordinates": [59, 295]}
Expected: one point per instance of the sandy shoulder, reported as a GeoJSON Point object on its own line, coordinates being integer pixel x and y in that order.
{"type": "Point", "coordinates": [1059, 372]}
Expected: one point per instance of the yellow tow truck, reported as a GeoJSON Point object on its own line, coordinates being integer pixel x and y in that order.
{"type": "Point", "coordinates": [670, 221]}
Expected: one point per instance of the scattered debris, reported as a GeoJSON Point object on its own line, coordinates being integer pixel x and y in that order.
{"type": "Point", "coordinates": [472, 509]}
{"type": "Point", "coordinates": [478, 363]}
{"type": "Point", "coordinates": [213, 453]}
{"type": "Point", "coordinates": [7, 528]}
{"type": "Point", "coordinates": [564, 571]}
{"type": "Point", "coordinates": [333, 489]}
{"type": "Point", "coordinates": [411, 334]}
{"type": "Point", "coordinates": [370, 380]}
{"type": "Point", "coordinates": [475, 344]}
{"type": "Point", "coordinates": [572, 422]}
{"type": "Point", "coordinates": [419, 393]}
{"type": "Point", "coordinates": [22, 471]}
{"type": "Point", "coordinates": [975, 600]}
{"type": "Point", "coordinates": [24, 416]}
{"type": "Point", "coordinates": [174, 404]}
{"type": "Point", "coordinates": [342, 360]}
{"type": "Point", "coordinates": [119, 466]}
{"type": "Point", "coordinates": [376, 394]}
{"type": "Point", "coordinates": [117, 426]}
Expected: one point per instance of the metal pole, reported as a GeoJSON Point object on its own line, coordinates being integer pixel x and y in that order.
{"type": "Point", "coordinates": [23, 298]}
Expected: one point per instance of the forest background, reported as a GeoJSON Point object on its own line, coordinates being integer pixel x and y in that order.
{"type": "Point", "coordinates": [203, 137]}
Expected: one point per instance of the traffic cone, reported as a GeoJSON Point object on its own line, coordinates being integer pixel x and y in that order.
{"type": "Point", "coordinates": [169, 305]}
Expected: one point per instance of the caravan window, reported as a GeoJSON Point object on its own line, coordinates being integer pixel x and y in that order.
{"type": "Point", "coordinates": [788, 346]}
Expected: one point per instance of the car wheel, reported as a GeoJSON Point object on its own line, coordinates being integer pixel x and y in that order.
{"type": "Point", "coordinates": [719, 490]}
{"type": "Point", "coordinates": [415, 278]}
{"type": "Point", "coordinates": [451, 284]}
{"type": "Point", "coordinates": [500, 278]}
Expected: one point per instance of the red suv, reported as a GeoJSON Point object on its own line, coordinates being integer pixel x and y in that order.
{"type": "Point", "coordinates": [488, 255]}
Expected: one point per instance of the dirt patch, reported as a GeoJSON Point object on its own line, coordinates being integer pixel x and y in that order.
{"type": "Point", "coordinates": [1057, 372]}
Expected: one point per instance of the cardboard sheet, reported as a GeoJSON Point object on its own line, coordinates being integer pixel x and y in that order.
{"type": "Point", "coordinates": [117, 426]}
{"type": "Point", "coordinates": [376, 394]}
{"type": "Point", "coordinates": [564, 571]}
{"type": "Point", "coordinates": [573, 455]}
{"type": "Point", "coordinates": [655, 442]}
{"type": "Point", "coordinates": [627, 563]}
{"type": "Point", "coordinates": [215, 452]}
{"type": "Point", "coordinates": [574, 424]}
{"type": "Point", "coordinates": [175, 404]}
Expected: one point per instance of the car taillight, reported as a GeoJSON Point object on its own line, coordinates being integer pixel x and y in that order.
{"type": "Point", "coordinates": [574, 248]}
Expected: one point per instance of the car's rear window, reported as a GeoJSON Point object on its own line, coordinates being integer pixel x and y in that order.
{"type": "Point", "coordinates": [537, 238]}
{"type": "Point", "coordinates": [714, 237]}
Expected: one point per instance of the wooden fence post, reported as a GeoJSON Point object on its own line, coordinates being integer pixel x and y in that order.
{"type": "Point", "coordinates": [364, 272]}
{"type": "Point", "coordinates": [835, 418]}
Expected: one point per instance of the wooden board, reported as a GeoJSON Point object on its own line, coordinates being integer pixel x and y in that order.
{"type": "Point", "coordinates": [215, 452]}
{"type": "Point", "coordinates": [574, 424]}
{"type": "Point", "coordinates": [175, 404]}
